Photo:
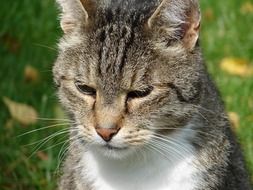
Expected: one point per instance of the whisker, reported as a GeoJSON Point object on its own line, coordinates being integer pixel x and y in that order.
{"type": "Point", "coordinates": [45, 46]}
{"type": "Point", "coordinates": [173, 141]}
{"type": "Point", "coordinates": [47, 139]}
{"type": "Point", "coordinates": [205, 109]}
{"type": "Point", "coordinates": [62, 153]}
{"type": "Point", "coordinates": [173, 153]}
{"type": "Point", "coordinates": [52, 119]}
{"type": "Point", "coordinates": [40, 129]}
{"type": "Point", "coordinates": [186, 129]}
{"type": "Point", "coordinates": [50, 147]}
{"type": "Point", "coordinates": [154, 148]}
{"type": "Point", "coordinates": [170, 149]}
{"type": "Point", "coordinates": [164, 145]}
{"type": "Point", "coordinates": [64, 149]}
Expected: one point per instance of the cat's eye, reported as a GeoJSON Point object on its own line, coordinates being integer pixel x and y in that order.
{"type": "Point", "coordinates": [87, 90]}
{"type": "Point", "coordinates": [139, 93]}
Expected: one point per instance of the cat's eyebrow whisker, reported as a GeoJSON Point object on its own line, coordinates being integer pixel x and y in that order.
{"type": "Point", "coordinates": [42, 128]}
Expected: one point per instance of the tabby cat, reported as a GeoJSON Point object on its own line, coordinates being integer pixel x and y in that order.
{"type": "Point", "coordinates": [146, 115]}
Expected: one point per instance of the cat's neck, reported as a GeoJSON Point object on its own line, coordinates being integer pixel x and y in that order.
{"type": "Point", "coordinates": [150, 169]}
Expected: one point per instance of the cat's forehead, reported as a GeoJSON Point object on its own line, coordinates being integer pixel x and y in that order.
{"type": "Point", "coordinates": [120, 63]}
{"type": "Point", "coordinates": [120, 52]}
{"type": "Point", "coordinates": [123, 10]}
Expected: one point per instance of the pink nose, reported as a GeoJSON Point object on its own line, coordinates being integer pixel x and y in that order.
{"type": "Point", "coordinates": [107, 133]}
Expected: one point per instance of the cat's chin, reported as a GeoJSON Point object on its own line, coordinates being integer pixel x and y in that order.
{"type": "Point", "coordinates": [113, 152]}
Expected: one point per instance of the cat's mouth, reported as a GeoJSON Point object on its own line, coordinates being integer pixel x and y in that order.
{"type": "Point", "coordinates": [111, 147]}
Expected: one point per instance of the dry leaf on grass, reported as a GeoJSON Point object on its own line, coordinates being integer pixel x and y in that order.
{"type": "Point", "coordinates": [31, 74]}
{"type": "Point", "coordinates": [234, 119]}
{"type": "Point", "coordinates": [235, 66]}
{"type": "Point", "coordinates": [42, 155]}
{"type": "Point", "coordinates": [208, 14]}
{"type": "Point", "coordinates": [247, 7]}
{"type": "Point", "coordinates": [12, 43]}
{"type": "Point", "coordinates": [9, 124]}
{"type": "Point", "coordinates": [22, 113]}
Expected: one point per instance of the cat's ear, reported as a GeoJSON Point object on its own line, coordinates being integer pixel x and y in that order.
{"type": "Point", "coordinates": [177, 20]}
{"type": "Point", "coordinates": [74, 13]}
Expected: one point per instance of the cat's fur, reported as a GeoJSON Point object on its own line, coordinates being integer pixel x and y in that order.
{"type": "Point", "coordinates": [175, 136]}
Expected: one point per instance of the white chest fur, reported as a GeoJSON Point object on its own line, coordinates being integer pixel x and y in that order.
{"type": "Point", "coordinates": [155, 172]}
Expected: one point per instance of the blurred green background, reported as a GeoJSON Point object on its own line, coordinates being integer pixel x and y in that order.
{"type": "Point", "coordinates": [28, 36]}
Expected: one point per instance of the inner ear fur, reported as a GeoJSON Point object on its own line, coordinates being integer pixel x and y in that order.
{"type": "Point", "coordinates": [177, 20]}
{"type": "Point", "coordinates": [74, 13]}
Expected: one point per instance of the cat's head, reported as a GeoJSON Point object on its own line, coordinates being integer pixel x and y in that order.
{"type": "Point", "coordinates": [128, 71]}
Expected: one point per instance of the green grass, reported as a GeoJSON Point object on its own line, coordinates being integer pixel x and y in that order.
{"type": "Point", "coordinates": [27, 26]}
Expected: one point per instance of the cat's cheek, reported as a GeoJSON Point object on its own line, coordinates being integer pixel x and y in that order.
{"type": "Point", "coordinates": [90, 103]}
{"type": "Point", "coordinates": [135, 105]}
{"type": "Point", "coordinates": [85, 102]}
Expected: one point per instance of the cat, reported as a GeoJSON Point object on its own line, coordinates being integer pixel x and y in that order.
{"type": "Point", "coordinates": [146, 115]}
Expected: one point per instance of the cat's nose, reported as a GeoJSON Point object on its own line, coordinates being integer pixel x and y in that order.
{"type": "Point", "coordinates": [107, 133]}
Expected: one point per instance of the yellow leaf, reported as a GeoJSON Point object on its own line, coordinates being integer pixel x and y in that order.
{"type": "Point", "coordinates": [247, 7]}
{"type": "Point", "coordinates": [31, 74]}
{"type": "Point", "coordinates": [22, 113]}
{"type": "Point", "coordinates": [235, 66]}
{"type": "Point", "coordinates": [234, 119]}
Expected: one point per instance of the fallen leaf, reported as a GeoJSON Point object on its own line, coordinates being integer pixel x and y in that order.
{"type": "Point", "coordinates": [247, 7]}
{"type": "Point", "coordinates": [9, 124]}
{"type": "Point", "coordinates": [208, 14]}
{"type": "Point", "coordinates": [236, 66]}
{"type": "Point", "coordinates": [11, 43]}
{"type": "Point", "coordinates": [42, 155]}
{"type": "Point", "coordinates": [22, 113]}
{"type": "Point", "coordinates": [234, 119]}
{"type": "Point", "coordinates": [31, 74]}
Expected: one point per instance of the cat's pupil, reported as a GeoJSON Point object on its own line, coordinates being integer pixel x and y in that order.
{"type": "Point", "coordinates": [87, 90]}
{"type": "Point", "coordinates": [139, 93]}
